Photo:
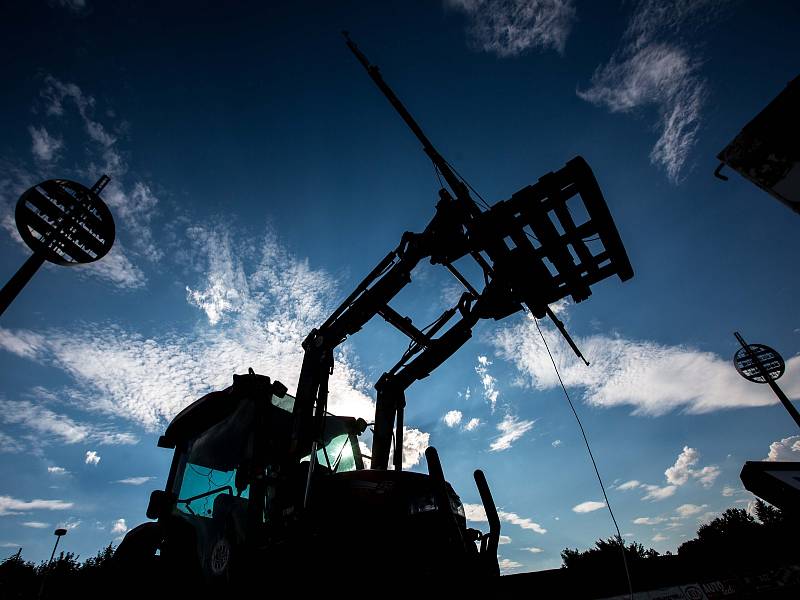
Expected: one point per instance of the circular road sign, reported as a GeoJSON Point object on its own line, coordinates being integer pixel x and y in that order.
{"type": "Point", "coordinates": [65, 222]}
{"type": "Point", "coordinates": [751, 360]}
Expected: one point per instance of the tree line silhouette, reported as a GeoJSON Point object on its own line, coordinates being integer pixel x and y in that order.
{"type": "Point", "coordinates": [734, 543]}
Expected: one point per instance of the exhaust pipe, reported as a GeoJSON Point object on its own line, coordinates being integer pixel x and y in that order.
{"type": "Point", "coordinates": [489, 550]}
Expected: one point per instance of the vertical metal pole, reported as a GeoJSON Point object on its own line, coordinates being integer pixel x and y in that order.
{"type": "Point", "coordinates": [47, 572]}
{"type": "Point", "coordinates": [787, 404]}
{"type": "Point", "coordinates": [19, 280]}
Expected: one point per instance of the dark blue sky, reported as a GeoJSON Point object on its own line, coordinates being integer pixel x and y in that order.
{"type": "Point", "coordinates": [258, 175]}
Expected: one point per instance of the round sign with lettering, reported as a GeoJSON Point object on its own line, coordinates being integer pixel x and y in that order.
{"type": "Point", "coordinates": [65, 222]}
{"type": "Point", "coordinates": [755, 360]}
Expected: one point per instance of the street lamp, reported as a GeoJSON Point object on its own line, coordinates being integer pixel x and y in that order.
{"type": "Point", "coordinates": [58, 533]}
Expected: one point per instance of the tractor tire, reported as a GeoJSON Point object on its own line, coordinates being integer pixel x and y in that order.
{"type": "Point", "coordinates": [136, 557]}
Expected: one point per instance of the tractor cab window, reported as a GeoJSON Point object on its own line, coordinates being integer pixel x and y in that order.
{"type": "Point", "coordinates": [206, 481]}
{"type": "Point", "coordinates": [340, 451]}
{"type": "Point", "coordinates": [201, 486]}
{"type": "Point", "coordinates": [336, 455]}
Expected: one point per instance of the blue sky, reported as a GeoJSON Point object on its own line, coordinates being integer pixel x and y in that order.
{"type": "Point", "coordinates": [258, 175]}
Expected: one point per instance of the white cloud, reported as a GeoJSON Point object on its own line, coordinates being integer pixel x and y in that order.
{"type": "Point", "coordinates": [728, 491]}
{"type": "Point", "coordinates": [134, 480]}
{"type": "Point", "coordinates": [92, 458]}
{"type": "Point", "coordinates": [534, 550]}
{"type": "Point", "coordinates": [472, 424]}
{"type": "Point", "coordinates": [629, 485]}
{"type": "Point", "coordinates": [43, 421]}
{"type": "Point", "coordinates": [687, 510]}
{"type": "Point", "coordinates": [655, 492]}
{"type": "Point", "coordinates": [504, 539]}
{"type": "Point", "coordinates": [44, 146]}
{"type": "Point", "coordinates": [119, 527]}
{"type": "Point", "coordinates": [788, 449]}
{"type": "Point", "coordinates": [523, 522]}
{"type": "Point", "coordinates": [655, 67]}
{"type": "Point", "coordinates": [510, 27]}
{"type": "Point", "coordinates": [652, 378]}
{"type": "Point", "coordinates": [76, 6]}
{"type": "Point", "coordinates": [588, 506]}
{"type": "Point", "coordinates": [13, 506]}
{"type": "Point", "coordinates": [507, 565]}
{"type": "Point", "coordinates": [489, 383]}
{"type": "Point", "coordinates": [683, 469]}
{"type": "Point", "coordinates": [477, 514]}
{"type": "Point", "coordinates": [415, 442]}
{"type": "Point", "coordinates": [453, 418]}
{"type": "Point", "coordinates": [659, 537]}
{"type": "Point", "coordinates": [51, 426]}
{"type": "Point", "coordinates": [133, 207]}
{"type": "Point", "coordinates": [9, 444]}
{"type": "Point", "coordinates": [57, 470]}
{"type": "Point", "coordinates": [35, 524]}
{"type": "Point", "coordinates": [648, 520]}
{"type": "Point", "coordinates": [511, 429]}
{"type": "Point", "coordinates": [556, 443]}
{"type": "Point", "coordinates": [155, 377]}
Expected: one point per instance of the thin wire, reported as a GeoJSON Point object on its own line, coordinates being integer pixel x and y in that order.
{"type": "Point", "coordinates": [594, 464]}
{"type": "Point", "coordinates": [465, 182]}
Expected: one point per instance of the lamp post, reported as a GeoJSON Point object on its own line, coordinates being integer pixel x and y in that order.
{"type": "Point", "coordinates": [58, 533]}
{"type": "Point", "coordinates": [761, 364]}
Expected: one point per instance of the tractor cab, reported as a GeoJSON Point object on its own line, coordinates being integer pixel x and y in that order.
{"type": "Point", "coordinates": [237, 501]}
{"type": "Point", "coordinates": [230, 484]}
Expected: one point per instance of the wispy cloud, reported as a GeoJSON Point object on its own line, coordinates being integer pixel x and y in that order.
{"type": "Point", "coordinates": [659, 537]}
{"type": "Point", "coordinates": [511, 27]}
{"type": "Point", "coordinates": [477, 514]}
{"type": "Point", "coordinates": [652, 378]}
{"type": "Point", "coordinates": [134, 480]}
{"type": "Point", "coordinates": [687, 510]}
{"type": "Point", "coordinates": [50, 426]}
{"type": "Point", "coordinates": [588, 506]}
{"type": "Point", "coordinates": [489, 383]}
{"type": "Point", "coordinates": [648, 520]}
{"type": "Point", "coordinates": [507, 565]}
{"type": "Point", "coordinates": [629, 485]}
{"type": "Point", "coordinates": [655, 66]}
{"type": "Point", "coordinates": [511, 429]}
{"type": "Point", "coordinates": [655, 492]}
{"type": "Point", "coordinates": [57, 470]}
{"type": "Point", "coordinates": [35, 524]}
{"type": "Point", "coordinates": [92, 458]}
{"type": "Point", "coordinates": [533, 550]}
{"type": "Point", "coordinates": [9, 444]}
{"type": "Point", "coordinates": [45, 147]}
{"type": "Point", "coordinates": [281, 300]}
{"type": "Point", "coordinates": [677, 475]}
{"type": "Point", "coordinates": [76, 6]}
{"type": "Point", "coordinates": [133, 206]}
{"type": "Point", "coordinates": [472, 424]}
{"type": "Point", "coordinates": [13, 506]}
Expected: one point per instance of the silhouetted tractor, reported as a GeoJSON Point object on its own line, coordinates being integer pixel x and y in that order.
{"type": "Point", "coordinates": [266, 485]}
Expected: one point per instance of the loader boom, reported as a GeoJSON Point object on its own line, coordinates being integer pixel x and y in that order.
{"type": "Point", "coordinates": [530, 248]}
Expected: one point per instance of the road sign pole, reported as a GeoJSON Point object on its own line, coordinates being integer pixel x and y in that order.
{"type": "Point", "coordinates": [787, 404]}
{"type": "Point", "coordinates": [19, 280]}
